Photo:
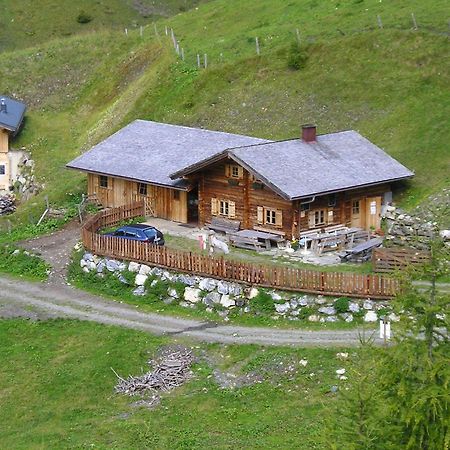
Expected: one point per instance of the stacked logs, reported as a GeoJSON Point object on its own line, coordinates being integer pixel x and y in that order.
{"type": "Point", "coordinates": [7, 204]}
{"type": "Point", "coordinates": [169, 371]}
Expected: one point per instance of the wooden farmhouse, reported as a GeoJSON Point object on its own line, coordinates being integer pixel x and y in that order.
{"type": "Point", "coordinates": [11, 118]}
{"type": "Point", "coordinates": [193, 175]}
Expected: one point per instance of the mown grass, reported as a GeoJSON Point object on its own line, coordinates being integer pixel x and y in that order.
{"type": "Point", "coordinates": [56, 387]}
{"type": "Point", "coordinates": [20, 263]}
{"type": "Point", "coordinates": [390, 84]}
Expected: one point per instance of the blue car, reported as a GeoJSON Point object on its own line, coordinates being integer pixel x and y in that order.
{"type": "Point", "coordinates": [139, 232]}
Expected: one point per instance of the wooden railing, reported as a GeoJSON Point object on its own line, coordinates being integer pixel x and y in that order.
{"type": "Point", "coordinates": [393, 259]}
{"type": "Point", "coordinates": [284, 278]}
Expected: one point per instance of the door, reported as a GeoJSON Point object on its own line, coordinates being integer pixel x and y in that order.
{"type": "Point", "coordinates": [192, 201]}
{"type": "Point", "coordinates": [373, 213]}
{"type": "Point", "coordinates": [357, 213]}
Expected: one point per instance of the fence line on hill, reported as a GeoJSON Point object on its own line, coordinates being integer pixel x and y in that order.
{"type": "Point", "coordinates": [284, 278]}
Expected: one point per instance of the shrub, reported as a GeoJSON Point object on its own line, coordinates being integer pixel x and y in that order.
{"type": "Point", "coordinates": [297, 57]}
{"type": "Point", "coordinates": [341, 305]}
{"type": "Point", "coordinates": [84, 17]}
{"type": "Point", "coordinates": [306, 312]}
{"type": "Point", "coordinates": [263, 302]}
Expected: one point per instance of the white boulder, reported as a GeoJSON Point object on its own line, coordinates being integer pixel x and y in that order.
{"type": "Point", "coordinates": [140, 279]}
{"type": "Point", "coordinates": [144, 270]}
{"type": "Point", "coordinates": [371, 316]}
{"type": "Point", "coordinates": [134, 267]}
{"type": "Point", "coordinates": [226, 301]}
{"type": "Point", "coordinates": [191, 294]}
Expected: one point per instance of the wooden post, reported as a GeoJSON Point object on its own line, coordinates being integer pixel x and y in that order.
{"type": "Point", "coordinates": [141, 30]}
{"type": "Point", "coordinates": [155, 28]}
{"type": "Point", "coordinates": [380, 23]}
{"type": "Point", "coordinates": [414, 21]}
{"type": "Point", "coordinates": [182, 53]}
{"type": "Point", "coordinates": [297, 32]}
{"type": "Point", "coordinates": [198, 60]}
{"type": "Point", "coordinates": [177, 48]}
{"type": "Point", "coordinates": [205, 59]}
{"type": "Point", "coordinates": [167, 31]}
{"type": "Point", "coordinates": [258, 51]}
{"type": "Point", "coordinates": [126, 31]}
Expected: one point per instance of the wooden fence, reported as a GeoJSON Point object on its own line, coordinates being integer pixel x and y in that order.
{"type": "Point", "coordinates": [392, 259]}
{"type": "Point", "coordinates": [284, 278]}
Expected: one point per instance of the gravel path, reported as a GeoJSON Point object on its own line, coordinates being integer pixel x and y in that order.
{"type": "Point", "coordinates": [43, 300]}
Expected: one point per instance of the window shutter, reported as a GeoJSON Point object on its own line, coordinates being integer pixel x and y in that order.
{"type": "Point", "coordinates": [231, 210]}
{"type": "Point", "coordinates": [214, 206]}
{"type": "Point", "coordinates": [330, 216]}
{"type": "Point", "coordinates": [228, 170]}
{"type": "Point", "coordinates": [260, 214]}
{"type": "Point", "coordinates": [110, 183]}
{"type": "Point", "coordinates": [311, 221]}
{"type": "Point", "coordinates": [279, 218]}
{"type": "Point", "coordinates": [241, 172]}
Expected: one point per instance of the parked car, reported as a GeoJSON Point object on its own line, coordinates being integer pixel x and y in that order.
{"type": "Point", "coordinates": [139, 232]}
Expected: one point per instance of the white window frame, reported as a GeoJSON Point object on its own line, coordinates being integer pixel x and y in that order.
{"type": "Point", "coordinates": [2, 172]}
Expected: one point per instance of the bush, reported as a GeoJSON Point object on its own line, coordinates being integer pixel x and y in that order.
{"type": "Point", "coordinates": [297, 57]}
{"type": "Point", "coordinates": [84, 17]}
{"type": "Point", "coordinates": [341, 305]}
{"type": "Point", "coordinates": [16, 262]}
{"type": "Point", "coordinates": [263, 302]}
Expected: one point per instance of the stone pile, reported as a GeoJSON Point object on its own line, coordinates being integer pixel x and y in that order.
{"type": "Point", "coordinates": [225, 298]}
{"type": "Point", "coordinates": [25, 184]}
{"type": "Point", "coordinates": [7, 204]}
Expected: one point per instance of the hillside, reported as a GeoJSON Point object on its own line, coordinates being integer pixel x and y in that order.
{"type": "Point", "coordinates": [390, 84]}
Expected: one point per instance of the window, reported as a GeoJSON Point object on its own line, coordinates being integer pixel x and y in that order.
{"type": "Point", "coordinates": [319, 217]}
{"type": "Point", "coordinates": [142, 189]}
{"type": "Point", "coordinates": [305, 206]}
{"type": "Point", "coordinates": [2, 169]}
{"type": "Point", "coordinates": [221, 207]}
{"type": "Point", "coordinates": [103, 181]}
{"type": "Point", "coordinates": [270, 216]}
{"type": "Point", "coordinates": [332, 200]}
{"type": "Point", "coordinates": [234, 171]}
{"type": "Point", "coordinates": [224, 208]}
{"type": "Point", "coordinates": [176, 195]}
{"type": "Point", "coordinates": [355, 207]}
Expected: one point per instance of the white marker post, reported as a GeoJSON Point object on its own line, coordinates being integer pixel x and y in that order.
{"type": "Point", "coordinates": [385, 330]}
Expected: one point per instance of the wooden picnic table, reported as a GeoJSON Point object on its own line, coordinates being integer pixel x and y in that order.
{"type": "Point", "coordinates": [363, 250]}
{"type": "Point", "coordinates": [257, 240]}
{"type": "Point", "coordinates": [320, 241]}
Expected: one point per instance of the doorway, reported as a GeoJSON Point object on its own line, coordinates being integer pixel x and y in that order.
{"type": "Point", "coordinates": [192, 205]}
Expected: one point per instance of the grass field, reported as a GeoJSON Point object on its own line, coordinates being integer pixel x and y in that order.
{"type": "Point", "coordinates": [56, 390]}
{"type": "Point", "coordinates": [390, 84]}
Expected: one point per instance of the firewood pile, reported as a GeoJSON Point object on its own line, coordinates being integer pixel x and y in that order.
{"type": "Point", "coordinates": [170, 370]}
{"type": "Point", "coordinates": [7, 204]}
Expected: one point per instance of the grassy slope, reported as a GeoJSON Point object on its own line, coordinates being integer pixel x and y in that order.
{"type": "Point", "coordinates": [54, 396]}
{"type": "Point", "coordinates": [389, 84]}
{"type": "Point", "coordinates": [27, 22]}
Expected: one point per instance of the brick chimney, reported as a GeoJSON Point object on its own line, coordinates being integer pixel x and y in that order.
{"type": "Point", "coordinates": [309, 133]}
{"type": "Point", "coordinates": [3, 108]}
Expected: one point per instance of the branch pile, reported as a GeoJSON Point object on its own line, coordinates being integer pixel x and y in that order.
{"type": "Point", "coordinates": [7, 204]}
{"type": "Point", "coordinates": [170, 370]}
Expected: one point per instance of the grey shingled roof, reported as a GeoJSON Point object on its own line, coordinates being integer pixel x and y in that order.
{"type": "Point", "coordinates": [12, 118]}
{"type": "Point", "coordinates": [335, 162]}
{"type": "Point", "coordinates": [150, 151]}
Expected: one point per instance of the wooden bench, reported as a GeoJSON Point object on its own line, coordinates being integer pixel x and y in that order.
{"type": "Point", "coordinates": [247, 243]}
{"type": "Point", "coordinates": [362, 252]}
{"type": "Point", "coordinates": [224, 225]}
{"type": "Point", "coordinates": [335, 228]}
{"type": "Point", "coordinates": [330, 243]}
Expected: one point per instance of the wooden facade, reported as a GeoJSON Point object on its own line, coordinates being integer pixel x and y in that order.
{"type": "Point", "coordinates": [4, 160]}
{"type": "Point", "coordinates": [166, 203]}
{"type": "Point", "coordinates": [225, 189]}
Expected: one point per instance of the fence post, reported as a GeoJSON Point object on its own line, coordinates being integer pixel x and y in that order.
{"type": "Point", "coordinates": [126, 31]}
{"type": "Point", "coordinates": [182, 53]}
{"type": "Point", "coordinates": [206, 61]}
{"type": "Point", "coordinates": [141, 30]}
{"type": "Point", "coordinates": [198, 60]}
{"type": "Point", "coordinates": [413, 17]}
{"type": "Point", "coordinates": [297, 33]}
{"type": "Point", "coordinates": [258, 51]}
{"type": "Point", "coordinates": [380, 23]}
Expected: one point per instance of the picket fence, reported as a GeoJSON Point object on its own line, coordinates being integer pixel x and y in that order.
{"type": "Point", "coordinates": [270, 276]}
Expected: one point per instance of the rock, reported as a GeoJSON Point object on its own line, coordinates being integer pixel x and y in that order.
{"type": "Point", "coordinates": [226, 301]}
{"type": "Point", "coordinates": [293, 302]}
{"type": "Point", "coordinates": [368, 305]}
{"type": "Point", "coordinates": [122, 279]}
{"type": "Point", "coordinates": [253, 293]}
{"type": "Point", "coordinates": [101, 267]}
{"type": "Point", "coordinates": [144, 269]}
{"type": "Point", "coordinates": [295, 312]}
{"type": "Point", "coordinates": [134, 267]}
{"type": "Point", "coordinates": [320, 300]}
{"type": "Point", "coordinates": [83, 263]}
{"type": "Point", "coordinates": [340, 371]}
{"type": "Point", "coordinates": [121, 267]}
{"type": "Point", "coordinates": [88, 256]}
{"type": "Point", "coordinates": [353, 307]}
{"type": "Point", "coordinates": [348, 317]}
{"type": "Point", "coordinates": [212, 298]}
{"type": "Point", "coordinates": [393, 317]}
{"type": "Point", "coordinates": [222, 287]}
{"type": "Point", "coordinates": [207, 284]}
{"type": "Point", "coordinates": [157, 272]}
{"type": "Point", "coordinates": [282, 308]}
{"type": "Point", "coordinates": [168, 300]}
{"type": "Point", "coordinates": [153, 283]}
{"type": "Point", "coordinates": [192, 294]}
{"type": "Point", "coordinates": [314, 318]}
{"type": "Point", "coordinates": [112, 265]}
{"type": "Point", "coordinates": [331, 319]}
{"type": "Point", "coordinates": [328, 310]}
{"type": "Point", "coordinates": [223, 314]}
{"type": "Point", "coordinates": [240, 302]}
{"type": "Point", "coordinates": [91, 265]}
{"type": "Point", "coordinates": [303, 301]}
{"type": "Point", "coordinates": [172, 292]}
{"type": "Point", "coordinates": [303, 362]}
{"type": "Point", "coordinates": [445, 234]}
{"type": "Point", "coordinates": [209, 310]}
{"type": "Point", "coordinates": [188, 281]}
{"type": "Point", "coordinates": [140, 279]}
{"type": "Point", "coordinates": [371, 316]}
{"type": "Point", "coordinates": [86, 269]}
{"type": "Point", "coordinates": [235, 289]}
{"type": "Point", "coordinates": [247, 309]}
{"type": "Point", "coordinates": [276, 297]}
{"type": "Point", "coordinates": [166, 276]}
{"type": "Point", "coordinates": [185, 304]}
{"type": "Point", "coordinates": [342, 355]}
{"type": "Point", "coordinates": [139, 291]}
{"type": "Point", "coordinates": [17, 251]}
{"type": "Point", "coordinates": [334, 389]}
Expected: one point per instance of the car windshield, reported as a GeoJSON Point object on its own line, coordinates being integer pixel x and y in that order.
{"type": "Point", "coordinates": [150, 232]}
